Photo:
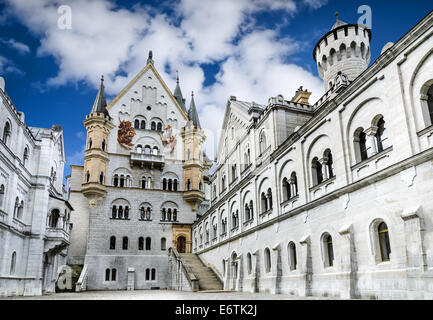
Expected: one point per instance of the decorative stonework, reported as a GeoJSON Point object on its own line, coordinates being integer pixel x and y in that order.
{"type": "Point", "coordinates": [408, 176]}
{"type": "Point", "coordinates": [125, 134]}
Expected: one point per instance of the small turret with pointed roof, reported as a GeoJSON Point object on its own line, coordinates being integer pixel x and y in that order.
{"type": "Point", "coordinates": [178, 94]}
{"type": "Point", "coordinates": [100, 104]}
{"type": "Point", "coordinates": [192, 112]}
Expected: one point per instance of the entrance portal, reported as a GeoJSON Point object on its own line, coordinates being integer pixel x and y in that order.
{"type": "Point", "coordinates": [181, 244]}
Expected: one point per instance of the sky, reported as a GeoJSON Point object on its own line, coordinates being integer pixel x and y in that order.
{"type": "Point", "coordinates": [251, 49]}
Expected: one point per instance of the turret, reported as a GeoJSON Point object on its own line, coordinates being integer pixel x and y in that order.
{"type": "Point", "coordinates": [98, 126]}
{"type": "Point", "coordinates": [343, 50]}
{"type": "Point", "coordinates": [194, 161]}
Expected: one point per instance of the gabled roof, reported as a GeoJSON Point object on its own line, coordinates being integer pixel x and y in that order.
{"type": "Point", "coordinates": [148, 66]}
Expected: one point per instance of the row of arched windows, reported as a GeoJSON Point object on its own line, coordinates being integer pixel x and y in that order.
{"type": "Point", "coordinates": [169, 184]}
{"type": "Point", "coordinates": [143, 244]}
{"type": "Point", "coordinates": [111, 274]}
{"type": "Point", "coordinates": [147, 149]}
{"type": "Point", "coordinates": [7, 133]}
{"type": "Point", "coordinates": [290, 187]}
{"type": "Point", "coordinates": [121, 181]}
{"type": "Point", "coordinates": [120, 212]}
{"type": "Point", "coordinates": [141, 124]}
{"type": "Point", "coordinates": [19, 209]}
{"type": "Point", "coordinates": [328, 250]}
{"type": "Point", "coordinates": [322, 169]}
{"type": "Point", "coordinates": [169, 214]}
{"type": "Point", "coordinates": [266, 201]}
{"type": "Point", "coordinates": [376, 141]}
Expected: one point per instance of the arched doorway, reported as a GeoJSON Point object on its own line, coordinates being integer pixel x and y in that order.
{"type": "Point", "coordinates": [181, 244]}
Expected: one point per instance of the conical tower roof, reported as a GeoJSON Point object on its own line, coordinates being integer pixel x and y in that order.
{"type": "Point", "coordinates": [192, 112]}
{"type": "Point", "coordinates": [100, 104]}
{"type": "Point", "coordinates": [178, 94]}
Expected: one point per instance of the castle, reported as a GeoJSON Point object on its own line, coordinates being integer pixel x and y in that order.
{"type": "Point", "coordinates": [331, 199]}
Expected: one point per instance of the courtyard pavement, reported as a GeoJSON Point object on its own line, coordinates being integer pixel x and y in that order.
{"type": "Point", "coordinates": [164, 295]}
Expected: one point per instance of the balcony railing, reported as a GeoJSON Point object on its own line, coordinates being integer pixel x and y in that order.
{"type": "Point", "coordinates": [57, 234]}
{"type": "Point", "coordinates": [149, 159]}
{"type": "Point", "coordinates": [3, 216]}
{"type": "Point", "coordinates": [20, 226]}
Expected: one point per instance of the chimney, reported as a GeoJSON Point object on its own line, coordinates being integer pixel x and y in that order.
{"type": "Point", "coordinates": [301, 96]}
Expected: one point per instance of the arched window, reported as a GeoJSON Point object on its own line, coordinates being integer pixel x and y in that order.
{"type": "Point", "coordinates": [116, 180]}
{"type": "Point", "coordinates": [200, 186]}
{"type": "Point", "coordinates": [90, 143]}
{"type": "Point", "coordinates": [87, 176]}
{"type": "Point", "coordinates": [143, 182]}
{"type": "Point", "coordinates": [316, 168]}
{"type": "Point", "coordinates": [251, 209]}
{"type": "Point", "coordinates": [148, 213]}
{"type": "Point", "coordinates": [175, 185]}
{"type": "Point", "coordinates": [13, 263]}
{"type": "Point", "coordinates": [267, 260]}
{"type": "Point", "coordinates": [294, 183]}
{"type": "Point", "coordinates": [381, 136]}
{"type": "Point", "coordinates": [170, 184]}
{"type": "Point", "coordinates": [264, 203]}
{"type": "Point", "coordinates": [174, 214]}
{"type": "Point", "coordinates": [247, 212]}
{"type": "Point", "coordinates": [103, 145]}
{"type": "Point", "coordinates": [430, 103]}
{"type": "Point", "coordinates": [329, 250]}
{"type": "Point", "coordinates": [122, 181]}
{"type": "Point", "coordinates": [163, 244]}
{"type": "Point", "coordinates": [136, 124]}
{"type": "Point", "coordinates": [149, 183]}
{"type": "Point", "coordinates": [147, 149]}
{"type": "Point", "coordinates": [360, 143]}
{"type": "Point", "coordinates": [269, 195]}
{"type": "Point", "coordinates": [143, 124]}
{"type": "Point", "coordinates": [155, 151]}
{"type": "Point", "coordinates": [139, 149]}
{"type": "Point", "coordinates": [113, 274]}
{"type": "Point", "coordinates": [107, 274]}
{"type": "Point", "coordinates": [112, 243]}
{"type": "Point", "coordinates": [153, 273]}
{"type": "Point", "coordinates": [292, 256]}
{"type": "Point", "coordinates": [286, 190]}
{"type": "Point", "coordinates": [125, 243]}
{"type": "Point", "coordinates": [329, 163]}
{"type": "Point", "coordinates": [262, 142]}
{"type": "Point", "coordinates": [2, 195]}
{"type": "Point", "coordinates": [385, 247]}
{"type": "Point", "coordinates": [141, 243]}
{"type": "Point", "coordinates": [188, 185]}
{"type": "Point", "coordinates": [120, 213]}
{"type": "Point", "coordinates": [163, 214]}
{"type": "Point", "coordinates": [101, 178]}
{"type": "Point", "coordinates": [153, 125]}
{"type": "Point", "coordinates": [126, 214]}
{"type": "Point", "coordinates": [7, 133]}
{"type": "Point", "coordinates": [159, 126]}
{"type": "Point", "coordinates": [164, 184]}
{"type": "Point", "coordinates": [249, 263]}
{"type": "Point", "coordinates": [147, 274]}
{"type": "Point", "coordinates": [142, 213]}
{"type": "Point", "coordinates": [114, 212]}
{"type": "Point", "coordinates": [54, 218]}
{"type": "Point", "coordinates": [25, 156]}
{"type": "Point", "coordinates": [169, 214]}
{"type": "Point", "coordinates": [148, 243]}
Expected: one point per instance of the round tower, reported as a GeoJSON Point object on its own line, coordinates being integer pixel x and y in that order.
{"type": "Point", "coordinates": [98, 126]}
{"type": "Point", "coordinates": [345, 49]}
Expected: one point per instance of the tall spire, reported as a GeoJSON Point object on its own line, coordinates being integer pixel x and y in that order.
{"type": "Point", "coordinates": [178, 94]}
{"type": "Point", "coordinates": [192, 112]}
{"type": "Point", "coordinates": [100, 104]}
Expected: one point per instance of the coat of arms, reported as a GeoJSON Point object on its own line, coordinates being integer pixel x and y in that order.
{"type": "Point", "coordinates": [125, 133]}
{"type": "Point", "coordinates": [168, 138]}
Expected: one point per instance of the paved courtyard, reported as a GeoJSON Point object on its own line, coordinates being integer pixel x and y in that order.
{"type": "Point", "coordinates": [163, 295]}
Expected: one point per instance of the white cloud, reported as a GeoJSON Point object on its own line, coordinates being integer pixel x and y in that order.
{"type": "Point", "coordinates": [18, 46]}
{"type": "Point", "coordinates": [8, 66]}
{"type": "Point", "coordinates": [115, 42]}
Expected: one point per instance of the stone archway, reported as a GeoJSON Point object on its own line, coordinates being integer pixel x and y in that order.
{"type": "Point", "coordinates": [181, 244]}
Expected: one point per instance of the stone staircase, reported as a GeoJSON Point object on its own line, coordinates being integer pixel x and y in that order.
{"type": "Point", "coordinates": [207, 279]}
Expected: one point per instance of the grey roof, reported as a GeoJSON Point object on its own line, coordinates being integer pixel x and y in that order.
{"type": "Point", "coordinates": [247, 105]}
{"type": "Point", "coordinates": [192, 113]}
{"type": "Point", "coordinates": [36, 132]}
{"type": "Point", "coordinates": [178, 95]}
{"type": "Point", "coordinates": [100, 104]}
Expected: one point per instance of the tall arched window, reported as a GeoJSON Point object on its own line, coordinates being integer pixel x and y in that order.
{"type": "Point", "coordinates": [120, 213]}
{"type": "Point", "coordinates": [136, 124]}
{"type": "Point", "coordinates": [7, 133]}
{"type": "Point", "coordinates": [316, 168]}
{"type": "Point", "coordinates": [329, 250]}
{"type": "Point", "coordinates": [147, 149]}
{"type": "Point", "coordinates": [114, 212]}
{"type": "Point", "coordinates": [113, 274]}
{"type": "Point", "coordinates": [247, 212]}
{"type": "Point", "coordinates": [125, 243]}
{"type": "Point", "coordinates": [329, 162]}
{"type": "Point", "coordinates": [294, 182]}
{"type": "Point", "coordinates": [107, 274]}
{"type": "Point", "coordinates": [163, 214]}
{"type": "Point", "coordinates": [269, 196]}
{"type": "Point", "coordinates": [155, 151]}
{"type": "Point", "coordinates": [101, 178]}
{"type": "Point", "coordinates": [292, 256]}
{"type": "Point", "coordinates": [174, 214]}
{"type": "Point", "coordinates": [430, 103]}
{"type": "Point", "coordinates": [286, 190]}
{"type": "Point", "coordinates": [164, 184]}
{"type": "Point", "coordinates": [159, 126]}
{"type": "Point", "coordinates": [249, 263]}
{"type": "Point", "coordinates": [148, 213]}
{"type": "Point", "coordinates": [90, 143]}
{"type": "Point", "coordinates": [87, 176]}
{"type": "Point", "coordinates": [143, 182]}
{"type": "Point", "coordinates": [385, 247]}
{"type": "Point", "coordinates": [188, 185]}
{"type": "Point", "coordinates": [153, 125]}
{"type": "Point", "coordinates": [170, 184]}
{"type": "Point", "coordinates": [142, 213]}
{"type": "Point", "coordinates": [13, 263]}
{"type": "Point", "coordinates": [141, 243]}
{"type": "Point", "coordinates": [103, 145]}
{"type": "Point", "coordinates": [139, 149]}
{"type": "Point", "coordinates": [116, 180]}
{"type": "Point", "coordinates": [112, 243]}
{"type": "Point", "coordinates": [54, 218]}
{"type": "Point", "coordinates": [148, 243]}
{"type": "Point", "coordinates": [251, 209]}
{"type": "Point", "coordinates": [2, 195]}
{"type": "Point", "coordinates": [175, 185]}
{"type": "Point", "coordinates": [143, 124]}
{"type": "Point", "coordinates": [25, 156]}
{"type": "Point", "coordinates": [264, 203]}
{"type": "Point", "coordinates": [126, 214]}
{"type": "Point", "coordinates": [122, 181]}
{"type": "Point", "coordinates": [163, 244]}
{"type": "Point", "coordinates": [360, 143]}
{"type": "Point", "coordinates": [267, 260]}
{"type": "Point", "coordinates": [381, 135]}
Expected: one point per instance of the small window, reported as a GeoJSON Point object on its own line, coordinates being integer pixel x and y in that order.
{"type": "Point", "coordinates": [113, 274]}
{"type": "Point", "coordinates": [267, 260]}
{"type": "Point", "coordinates": [107, 274]}
{"type": "Point", "coordinates": [249, 263]}
{"type": "Point", "coordinates": [385, 247]}
{"type": "Point", "coordinates": [2, 195]}
{"type": "Point", "coordinates": [163, 244]}
{"type": "Point", "coordinates": [125, 243]}
{"type": "Point", "coordinates": [147, 274]}
{"type": "Point", "coordinates": [141, 243]}
{"type": "Point", "coordinates": [13, 263]}
{"type": "Point", "coordinates": [112, 243]}
{"type": "Point", "coordinates": [153, 274]}
{"type": "Point", "coordinates": [148, 243]}
{"type": "Point", "coordinates": [103, 145]}
{"type": "Point", "coordinates": [136, 124]}
{"type": "Point", "coordinates": [292, 256]}
{"type": "Point", "coordinates": [329, 251]}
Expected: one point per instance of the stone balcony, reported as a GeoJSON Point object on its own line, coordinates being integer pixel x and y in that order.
{"type": "Point", "coordinates": [3, 216]}
{"type": "Point", "coordinates": [147, 159]}
{"type": "Point", "coordinates": [56, 239]}
{"type": "Point", "coordinates": [20, 226]}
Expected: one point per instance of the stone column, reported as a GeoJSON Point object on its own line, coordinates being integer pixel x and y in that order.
{"type": "Point", "coordinates": [240, 273]}
{"type": "Point", "coordinates": [305, 266]}
{"type": "Point", "coordinates": [370, 142]}
{"type": "Point", "coordinates": [325, 170]}
{"type": "Point", "coordinates": [276, 269]}
{"type": "Point", "coordinates": [348, 266]}
{"type": "Point", "coordinates": [227, 274]}
{"type": "Point", "coordinates": [256, 270]}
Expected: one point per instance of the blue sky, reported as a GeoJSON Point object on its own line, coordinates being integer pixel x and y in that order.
{"type": "Point", "coordinates": [252, 49]}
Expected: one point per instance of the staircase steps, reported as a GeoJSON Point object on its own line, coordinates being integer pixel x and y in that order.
{"type": "Point", "coordinates": [207, 279]}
